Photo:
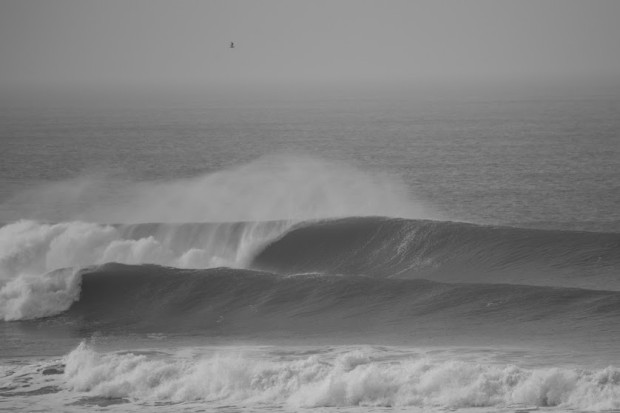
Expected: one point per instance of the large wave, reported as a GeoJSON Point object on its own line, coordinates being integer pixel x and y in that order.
{"type": "Point", "coordinates": [40, 266]}
{"type": "Point", "coordinates": [285, 216]}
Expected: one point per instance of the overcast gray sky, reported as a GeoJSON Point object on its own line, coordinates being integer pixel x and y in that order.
{"type": "Point", "coordinates": [78, 42]}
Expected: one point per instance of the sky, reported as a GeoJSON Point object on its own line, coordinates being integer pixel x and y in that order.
{"type": "Point", "coordinates": [85, 43]}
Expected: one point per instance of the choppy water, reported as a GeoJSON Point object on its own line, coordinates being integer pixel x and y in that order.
{"type": "Point", "coordinates": [365, 254]}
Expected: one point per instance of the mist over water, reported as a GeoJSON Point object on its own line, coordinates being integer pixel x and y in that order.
{"type": "Point", "coordinates": [278, 187]}
{"type": "Point", "coordinates": [339, 377]}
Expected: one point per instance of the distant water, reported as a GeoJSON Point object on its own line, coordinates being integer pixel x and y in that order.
{"type": "Point", "coordinates": [356, 253]}
{"type": "Point", "coordinates": [543, 162]}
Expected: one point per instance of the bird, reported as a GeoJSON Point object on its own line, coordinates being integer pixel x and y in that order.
{"type": "Point", "coordinates": [232, 45]}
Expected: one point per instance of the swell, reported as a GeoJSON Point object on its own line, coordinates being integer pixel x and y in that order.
{"type": "Point", "coordinates": [446, 251]}
{"type": "Point", "coordinates": [226, 301]}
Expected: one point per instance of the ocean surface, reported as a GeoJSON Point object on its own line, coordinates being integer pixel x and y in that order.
{"type": "Point", "coordinates": [350, 252]}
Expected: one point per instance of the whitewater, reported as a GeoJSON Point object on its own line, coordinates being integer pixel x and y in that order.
{"type": "Point", "coordinates": [265, 269]}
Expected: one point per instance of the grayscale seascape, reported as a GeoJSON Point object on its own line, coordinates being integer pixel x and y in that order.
{"type": "Point", "coordinates": [315, 245]}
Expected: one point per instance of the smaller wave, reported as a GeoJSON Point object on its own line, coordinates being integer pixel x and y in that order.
{"type": "Point", "coordinates": [340, 377]}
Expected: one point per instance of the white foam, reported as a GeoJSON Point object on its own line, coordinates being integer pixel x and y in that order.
{"type": "Point", "coordinates": [359, 377]}
{"type": "Point", "coordinates": [34, 296]}
{"type": "Point", "coordinates": [32, 255]}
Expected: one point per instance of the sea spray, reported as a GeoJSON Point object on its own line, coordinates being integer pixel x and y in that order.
{"type": "Point", "coordinates": [494, 267]}
{"type": "Point", "coordinates": [276, 187]}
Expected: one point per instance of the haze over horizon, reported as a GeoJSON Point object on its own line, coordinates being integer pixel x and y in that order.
{"type": "Point", "coordinates": [70, 44]}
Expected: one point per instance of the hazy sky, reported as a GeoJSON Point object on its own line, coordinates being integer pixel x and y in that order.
{"type": "Point", "coordinates": [83, 42]}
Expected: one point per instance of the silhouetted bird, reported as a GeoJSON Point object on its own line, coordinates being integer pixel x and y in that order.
{"type": "Point", "coordinates": [232, 45]}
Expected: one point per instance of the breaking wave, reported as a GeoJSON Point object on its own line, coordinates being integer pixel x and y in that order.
{"type": "Point", "coordinates": [43, 267]}
{"type": "Point", "coordinates": [40, 263]}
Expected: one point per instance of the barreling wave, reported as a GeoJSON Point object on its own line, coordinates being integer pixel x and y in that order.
{"type": "Point", "coordinates": [446, 251]}
{"type": "Point", "coordinates": [40, 263]}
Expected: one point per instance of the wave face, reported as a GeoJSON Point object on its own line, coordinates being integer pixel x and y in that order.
{"type": "Point", "coordinates": [446, 251]}
{"type": "Point", "coordinates": [226, 302]}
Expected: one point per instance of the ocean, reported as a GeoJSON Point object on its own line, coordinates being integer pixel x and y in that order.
{"type": "Point", "coordinates": [345, 251]}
